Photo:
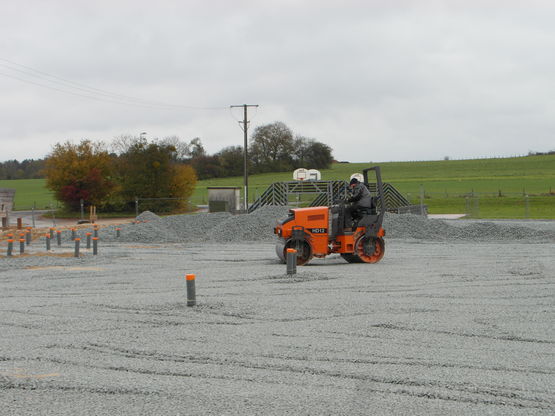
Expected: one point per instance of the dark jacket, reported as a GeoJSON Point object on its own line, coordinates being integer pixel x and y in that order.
{"type": "Point", "coordinates": [360, 196]}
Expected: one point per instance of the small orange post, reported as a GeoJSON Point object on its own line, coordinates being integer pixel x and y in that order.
{"type": "Point", "coordinates": [88, 239]}
{"type": "Point", "coordinates": [77, 241]}
{"type": "Point", "coordinates": [291, 261]}
{"type": "Point", "coordinates": [191, 292]}
{"type": "Point", "coordinates": [95, 246]}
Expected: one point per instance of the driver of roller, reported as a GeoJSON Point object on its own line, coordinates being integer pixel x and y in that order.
{"type": "Point", "coordinates": [360, 199]}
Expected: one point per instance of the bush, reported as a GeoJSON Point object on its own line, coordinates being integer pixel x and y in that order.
{"type": "Point", "coordinates": [83, 171]}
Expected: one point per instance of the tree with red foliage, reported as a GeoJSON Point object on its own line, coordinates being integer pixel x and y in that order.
{"type": "Point", "coordinates": [80, 171]}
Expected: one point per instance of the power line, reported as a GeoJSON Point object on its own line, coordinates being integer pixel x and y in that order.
{"type": "Point", "coordinates": [92, 92]}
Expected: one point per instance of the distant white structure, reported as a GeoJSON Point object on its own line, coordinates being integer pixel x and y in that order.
{"type": "Point", "coordinates": [314, 175]}
{"type": "Point", "coordinates": [357, 176]}
{"type": "Point", "coordinates": [300, 174]}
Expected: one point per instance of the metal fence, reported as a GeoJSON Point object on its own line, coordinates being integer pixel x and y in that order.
{"type": "Point", "coordinates": [488, 204]}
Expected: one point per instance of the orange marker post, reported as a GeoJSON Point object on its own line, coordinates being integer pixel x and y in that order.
{"type": "Point", "coordinates": [191, 292]}
{"type": "Point", "coordinates": [291, 261]}
{"type": "Point", "coordinates": [95, 246]}
{"type": "Point", "coordinates": [77, 241]}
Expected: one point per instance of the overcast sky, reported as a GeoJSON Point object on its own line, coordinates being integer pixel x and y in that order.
{"type": "Point", "coordinates": [375, 80]}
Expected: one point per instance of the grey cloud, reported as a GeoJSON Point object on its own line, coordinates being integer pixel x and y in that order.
{"type": "Point", "coordinates": [417, 80]}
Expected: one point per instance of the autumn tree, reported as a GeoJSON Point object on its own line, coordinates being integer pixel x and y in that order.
{"type": "Point", "coordinates": [80, 171]}
{"type": "Point", "coordinates": [149, 170]}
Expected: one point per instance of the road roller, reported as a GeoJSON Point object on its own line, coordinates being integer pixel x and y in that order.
{"type": "Point", "coordinates": [320, 231]}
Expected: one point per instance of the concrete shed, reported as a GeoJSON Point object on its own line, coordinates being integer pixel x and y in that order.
{"type": "Point", "coordinates": [225, 198]}
{"type": "Point", "coordinates": [7, 196]}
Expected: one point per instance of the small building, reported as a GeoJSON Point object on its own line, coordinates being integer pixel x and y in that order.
{"type": "Point", "coordinates": [7, 196]}
{"type": "Point", "coordinates": [224, 199]}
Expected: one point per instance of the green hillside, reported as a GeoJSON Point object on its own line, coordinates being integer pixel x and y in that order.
{"type": "Point", "coordinates": [447, 185]}
{"type": "Point", "coordinates": [486, 188]}
{"type": "Point", "coordinates": [29, 192]}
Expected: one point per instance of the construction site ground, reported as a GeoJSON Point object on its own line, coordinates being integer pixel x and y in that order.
{"type": "Point", "coordinates": [437, 327]}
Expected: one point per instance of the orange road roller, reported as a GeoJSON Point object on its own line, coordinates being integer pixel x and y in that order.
{"type": "Point", "coordinates": [320, 231]}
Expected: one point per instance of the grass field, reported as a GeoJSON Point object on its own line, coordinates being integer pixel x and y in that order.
{"type": "Point", "coordinates": [447, 185]}
{"type": "Point", "coordinates": [29, 192]}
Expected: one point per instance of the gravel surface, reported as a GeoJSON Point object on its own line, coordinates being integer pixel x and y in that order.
{"type": "Point", "coordinates": [258, 226]}
{"type": "Point", "coordinates": [449, 322]}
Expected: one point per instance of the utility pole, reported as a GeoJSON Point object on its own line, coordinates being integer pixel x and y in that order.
{"type": "Point", "coordinates": [245, 159]}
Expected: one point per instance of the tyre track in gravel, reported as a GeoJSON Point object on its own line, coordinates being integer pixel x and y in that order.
{"type": "Point", "coordinates": [493, 395]}
{"type": "Point", "coordinates": [425, 331]}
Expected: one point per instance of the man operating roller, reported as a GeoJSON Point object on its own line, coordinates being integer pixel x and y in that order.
{"type": "Point", "coordinates": [360, 199]}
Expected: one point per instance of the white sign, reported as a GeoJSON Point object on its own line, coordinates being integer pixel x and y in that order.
{"type": "Point", "coordinates": [300, 174]}
{"type": "Point", "coordinates": [314, 175]}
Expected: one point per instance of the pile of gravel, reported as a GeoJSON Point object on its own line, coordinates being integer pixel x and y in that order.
{"type": "Point", "coordinates": [258, 226]}
{"type": "Point", "coordinates": [419, 227]}
{"type": "Point", "coordinates": [147, 216]}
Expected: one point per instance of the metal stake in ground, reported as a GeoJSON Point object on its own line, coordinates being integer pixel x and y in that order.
{"type": "Point", "coordinates": [73, 236]}
{"type": "Point", "coordinates": [77, 241]}
{"type": "Point", "coordinates": [51, 232]}
{"type": "Point", "coordinates": [59, 238]}
{"type": "Point", "coordinates": [95, 231]}
{"type": "Point", "coordinates": [191, 293]}
{"type": "Point", "coordinates": [89, 240]}
{"type": "Point", "coordinates": [21, 245]}
{"type": "Point", "coordinates": [95, 245]}
{"type": "Point", "coordinates": [10, 247]}
{"type": "Point", "coordinates": [291, 261]}
{"type": "Point", "coordinates": [118, 232]}
{"type": "Point", "coordinates": [47, 242]}
{"type": "Point", "coordinates": [27, 236]}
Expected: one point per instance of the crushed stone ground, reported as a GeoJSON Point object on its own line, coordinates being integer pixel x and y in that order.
{"type": "Point", "coordinates": [456, 319]}
{"type": "Point", "coordinates": [258, 226]}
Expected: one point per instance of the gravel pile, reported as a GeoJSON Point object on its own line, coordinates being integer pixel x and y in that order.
{"type": "Point", "coordinates": [418, 227]}
{"type": "Point", "coordinates": [147, 216]}
{"type": "Point", "coordinates": [257, 226]}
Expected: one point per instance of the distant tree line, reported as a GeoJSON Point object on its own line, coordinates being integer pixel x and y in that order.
{"type": "Point", "coordinates": [272, 148]}
{"type": "Point", "coordinates": [531, 153]}
{"type": "Point", "coordinates": [161, 172]}
{"type": "Point", "coordinates": [27, 169]}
